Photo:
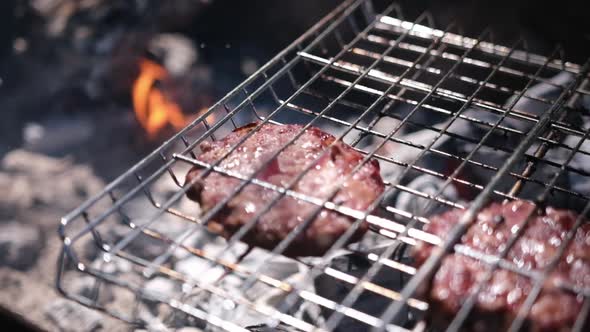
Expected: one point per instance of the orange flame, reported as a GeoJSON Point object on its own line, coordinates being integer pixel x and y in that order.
{"type": "Point", "coordinates": [152, 109]}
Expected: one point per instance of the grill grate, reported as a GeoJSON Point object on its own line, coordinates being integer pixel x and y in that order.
{"type": "Point", "coordinates": [394, 90]}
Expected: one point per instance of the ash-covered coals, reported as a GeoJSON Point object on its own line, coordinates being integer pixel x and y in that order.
{"type": "Point", "coordinates": [20, 245]}
{"type": "Point", "coordinates": [463, 143]}
{"type": "Point", "coordinates": [71, 317]}
{"type": "Point", "coordinates": [356, 265]}
{"type": "Point", "coordinates": [232, 285]}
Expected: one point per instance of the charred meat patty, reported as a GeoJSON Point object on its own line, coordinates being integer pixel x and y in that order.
{"type": "Point", "coordinates": [502, 296]}
{"type": "Point", "coordinates": [357, 191]}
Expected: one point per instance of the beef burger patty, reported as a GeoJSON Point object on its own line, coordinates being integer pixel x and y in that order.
{"type": "Point", "coordinates": [503, 295]}
{"type": "Point", "coordinates": [357, 192]}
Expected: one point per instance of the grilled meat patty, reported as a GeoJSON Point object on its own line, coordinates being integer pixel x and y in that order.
{"type": "Point", "coordinates": [357, 192]}
{"type": "Point", "coordinates": [502, 296]}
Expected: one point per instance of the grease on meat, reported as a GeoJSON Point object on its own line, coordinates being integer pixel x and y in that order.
{"type": "Point", "coordinates": [501, 297]}
{"type": "Point", "coordinates": [357, 192]}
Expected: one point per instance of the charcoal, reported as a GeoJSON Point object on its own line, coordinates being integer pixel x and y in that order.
{"type": "Point", "coordinates": [70, 316]}
{"type": "Point", "coordinates": [279, 267]}
{"type": "Point", "coordinates": [177, 320]}
{"type": "Point", "coordinates": [116, 265]}
{"type": "Point", "coordinates": [195, 267]}
{"type": "Point", "coordinates": [201, 270]}
{"type": "Point", "coordinates": [544, 91]}
{"type": "Point", "coordinates": [153, 323]}
{"type": "Point", "coordinates": [368, 302]}
{"type": "Point", "coordinates": [189, 329]}
{"type": "Point", "coordinates": [86, 287]}
{"type": "Point", "coordinates": [30, 179]}
{"type": "Point", "coordinates": [161, 287]}
{"type": "Point", "coordinates": [430, 185]}
{"type": "Point", "coordinates": [182, 329]}
{"type": "Point", "coordinates": [407, 154]}
{"type": "Point", "coordinates": [492, 154]}
{"type": "Point", "coordinates": [268, 328]}
{"type": "Point", "coordinates": [227, 309]}
{"type": "Point", "coordinates": [183, 320]}
{"type": "Point", "coordinates": [576, 181]}
{"type": "Point", "coordinates": [20, 245]}
{"type": "Point", "coordinates": [142, 245]}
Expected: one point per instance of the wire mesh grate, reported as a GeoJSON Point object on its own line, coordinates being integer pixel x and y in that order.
{"type": "Point", "coordinates": [454, 121]}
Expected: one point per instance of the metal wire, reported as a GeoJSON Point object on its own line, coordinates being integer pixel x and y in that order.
{"type": "Point", "coordinates": [457, 231]}
{"type": "Point", "coordinates": [352, 296]}
{"type": "Point", "coordinates": [339, 74]}
{"type": "Point", "coordinates": [468, 305]}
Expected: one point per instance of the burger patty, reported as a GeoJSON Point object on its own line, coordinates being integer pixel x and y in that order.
{"type": "Point", "coordinates": [357, 192]}
{"type": "Point", "coordinates": [501, 297]}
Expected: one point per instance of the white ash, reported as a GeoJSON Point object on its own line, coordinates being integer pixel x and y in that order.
{"type": "Point", "coordinates": [28, 180]}
{"type": "Point", "coordinates": [20, 245]}
{"type": "Point", "coordinates": [142, 245]}
{"type": "Point", "coordinates": [64, 313]}
{"type": "Point", "coordinates": [182, 329]}
{"type": "Point", "coordinates": [194, 267]}
{"type": "Point", "coordinates": [140, 211]}
{"type": "Point", "coordinates": [161, 285]}
{"type": "Point", "coordinates": [154, 324]}
{"type": "Point", "coordinates": [204, 273]}
{"type": "Point", "coordinates": [31, 210]}
{"type": "Point", "coordinates": [429, 185]}
{"type": "Point", "coordinates": [86, 286]}
{"type": "Point", "coordinates": [189, 329]}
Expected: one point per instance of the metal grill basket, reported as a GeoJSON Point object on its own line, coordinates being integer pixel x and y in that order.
{"type": "Point", "coordinates": [437, 110]}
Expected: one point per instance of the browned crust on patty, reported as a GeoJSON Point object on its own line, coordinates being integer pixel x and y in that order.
{"type": "Point", "coordinates": [357, 191]}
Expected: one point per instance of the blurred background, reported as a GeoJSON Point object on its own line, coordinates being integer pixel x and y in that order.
{"type": "Point", "coordinates": [88, 87]}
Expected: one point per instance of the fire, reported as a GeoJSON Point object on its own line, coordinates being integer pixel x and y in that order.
{"type": "Point", "coordinates": [152, 109]}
